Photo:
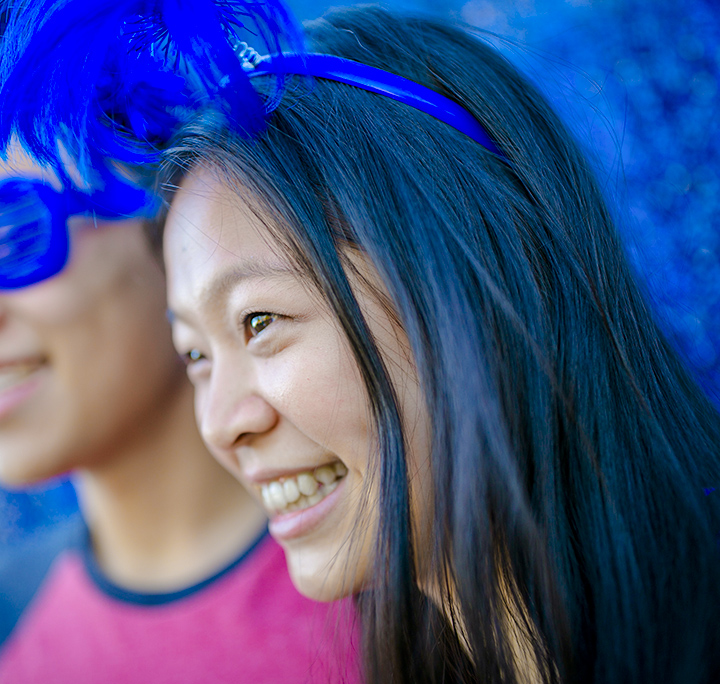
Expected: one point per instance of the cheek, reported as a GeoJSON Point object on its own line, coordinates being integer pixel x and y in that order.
{"type": "Point", "coordinates": [54, 305]}
{"type": "Point", "coordinates": [111, 354]}
{"type": "Point", "coordinates": [113, 374]}
{"type": "Point", "coordinates": [320, 391]}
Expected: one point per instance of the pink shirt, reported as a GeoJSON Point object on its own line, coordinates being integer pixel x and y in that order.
{"type": "Point", "coordinates": [247, 624]}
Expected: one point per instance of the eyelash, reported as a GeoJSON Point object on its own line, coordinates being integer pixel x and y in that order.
{"type": "Point", "coordinates": [195, 355]}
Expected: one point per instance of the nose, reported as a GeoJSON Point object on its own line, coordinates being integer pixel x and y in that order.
{"type": "Point", "coordinates": [233, 413]}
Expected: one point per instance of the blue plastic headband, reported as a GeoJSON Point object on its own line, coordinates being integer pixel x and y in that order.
{"type": "Point", "coordinates": [34, 239]}
{"type": "Point", "coordinates": [377, 81]}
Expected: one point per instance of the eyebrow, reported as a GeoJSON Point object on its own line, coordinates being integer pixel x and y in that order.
{"type": "Point", "coordinates": [226, 280]}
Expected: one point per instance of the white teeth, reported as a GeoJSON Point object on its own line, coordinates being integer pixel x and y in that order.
{"type": "Point", "coordinates": [307, 484]}
{"type": "Point", "coordinates": [291, 490]}
{"type": "Point", "coordinates": [303, 490]}
{"type": "Point", "coordinates": [266, 497]}
{"type": "Point", "coordinates": [277, 495]}
{"type": "Point", "coordinates": [316, 498]}
{"type": "Point", "coordinates": [325, 474]}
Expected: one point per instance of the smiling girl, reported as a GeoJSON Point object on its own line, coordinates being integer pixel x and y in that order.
{"type": "Point", "coordinates": [443, 342]}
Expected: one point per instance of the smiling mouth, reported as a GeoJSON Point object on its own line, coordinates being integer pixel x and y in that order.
{"type": "Point", "coordinates": [297, 492]}
{"type": "Point", "coordinates": [15, 373]}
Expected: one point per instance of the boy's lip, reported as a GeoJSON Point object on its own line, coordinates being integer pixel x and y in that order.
{"type": "Point", "coordinates": [32, 361]}
{"type": "Point", "coordinates": [14, 372]}
{"type": "Point", "coordinates": [18, 380]}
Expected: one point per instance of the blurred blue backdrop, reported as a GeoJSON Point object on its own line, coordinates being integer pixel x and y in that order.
{"type": "Point", "coordinates": [638, 82]}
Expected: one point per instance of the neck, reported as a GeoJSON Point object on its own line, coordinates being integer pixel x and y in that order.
{"type": "Point", "coordinates": [162, 514]}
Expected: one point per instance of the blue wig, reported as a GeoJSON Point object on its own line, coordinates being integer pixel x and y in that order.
{"type": "Point", "coordinates": [114, 79]}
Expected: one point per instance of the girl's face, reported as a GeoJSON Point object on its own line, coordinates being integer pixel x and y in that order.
{"type": "Point", "coordinates": [279, 398]}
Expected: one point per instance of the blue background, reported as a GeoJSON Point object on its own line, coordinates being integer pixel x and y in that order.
{"type": "Point", "coordinates": [637, 80]}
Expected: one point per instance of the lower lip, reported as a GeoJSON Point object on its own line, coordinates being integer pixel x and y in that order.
{"type": "Point", "coordinates": [299, 523]}
{"type": "Point", "coordinates": [13, 396]}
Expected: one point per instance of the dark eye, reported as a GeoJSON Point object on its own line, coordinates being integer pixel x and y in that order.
{"type": "Point", "coordinates": [257, 322]}
{"type": "Point", "coordinates": [193, 356]}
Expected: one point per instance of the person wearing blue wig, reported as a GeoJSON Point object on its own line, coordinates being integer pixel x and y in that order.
{"type": "Point", "coordinates": [414, 335]}
{"type": "Point", "coordinates": [169, 575]}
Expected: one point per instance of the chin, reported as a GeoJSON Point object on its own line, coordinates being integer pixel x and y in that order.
{"type": "Point", "coordinates": [19, 467]}
{"type": "Point", "coordinates": [14, 477]}
{"type": "Point", "coordinates": [324, 577]}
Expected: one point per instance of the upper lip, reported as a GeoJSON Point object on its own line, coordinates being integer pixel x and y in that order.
{"type": "Point", "coordinates": [262, 475]}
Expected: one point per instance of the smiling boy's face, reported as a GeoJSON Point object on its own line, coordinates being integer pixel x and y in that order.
{"type": "Point", "coordinates": [86, 356]}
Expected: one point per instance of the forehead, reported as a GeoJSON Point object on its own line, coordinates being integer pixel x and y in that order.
{"type": "Point", "coordinates": [213, 238]}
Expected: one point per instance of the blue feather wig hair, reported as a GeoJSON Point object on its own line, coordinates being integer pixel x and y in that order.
{"type": "Point", "coordinates": [113, 80]}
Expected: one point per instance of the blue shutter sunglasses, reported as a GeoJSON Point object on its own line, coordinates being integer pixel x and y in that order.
{"type": "Point", "coordinates": [34, 238]}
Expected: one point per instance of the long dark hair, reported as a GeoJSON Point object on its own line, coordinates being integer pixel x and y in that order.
{"type": "Point", "coordinates": [573, 539]}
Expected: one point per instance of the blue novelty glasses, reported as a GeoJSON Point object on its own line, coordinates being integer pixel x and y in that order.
{"type": "Point", "coordinates": [34, 239]}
